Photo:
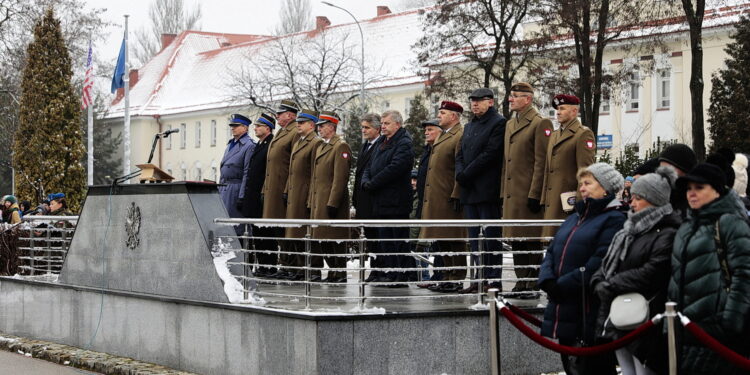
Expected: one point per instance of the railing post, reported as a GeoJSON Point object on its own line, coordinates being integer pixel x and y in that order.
{"type": "Point", "coordinates": [362, 259]}
{"type": "Point", "coordinates": [49, 244]}
{"type": "Point", "coordinates": [245, 267]}
{"type": "Point", "coordinates": [480, 266]}
{"type": "Point", "coordinates": [32, 262]}
{"type": "Point", "coordinates": [494, 336]}
{"type": "Point", "coordinates": [670, 314]}
{"type": "Point", "coordinates": [307, 267]}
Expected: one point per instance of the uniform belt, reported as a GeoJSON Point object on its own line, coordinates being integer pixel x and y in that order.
{"type": "Point", "coordinates": [232, 181]}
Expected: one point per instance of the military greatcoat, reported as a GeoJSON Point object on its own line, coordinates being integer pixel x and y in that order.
{"type": "Point", "coordinates": [526, 138]}
{"type": "Point", "coordinates": [570, 148]}
{"type": "Point", "coordinates": [329, 185]}
{"type": "Point", "coordinates": [277, 171]}
{"type": "Point", "coordinates": [441, 185]}
{"type": "Point", "coordinates": [298, 183]}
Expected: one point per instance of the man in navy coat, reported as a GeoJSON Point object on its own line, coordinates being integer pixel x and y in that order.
{"type": "Point", "coordinates": [234, 167]}
{"type": "Point", "coordinates": [478, 169]}
{"type": "Point", "coordinates": [388, 180]}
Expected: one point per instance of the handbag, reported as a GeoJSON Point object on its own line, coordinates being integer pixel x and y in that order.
{"type": "Point", "coordinates": [628, 311]}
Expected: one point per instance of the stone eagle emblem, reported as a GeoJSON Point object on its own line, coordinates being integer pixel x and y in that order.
{"type": "Point", "coordinates": [133, 226]}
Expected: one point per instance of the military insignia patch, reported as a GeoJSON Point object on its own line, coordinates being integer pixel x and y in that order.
{"type": "Point", "coordinates": [547, 132]}
{"type": "Point", "coordinates": [345, 155]}
{"type": "Point", "coordinates": [589, 145]}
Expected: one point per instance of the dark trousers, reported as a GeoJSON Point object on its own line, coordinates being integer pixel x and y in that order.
{"type": "Point", "coordinates": [453, 260]}
{"type": "Point", "coordinates": [601, 364]}
{"type": "Point", "coordinates": [486, 211]}
{"type": "Point", "coordinates": [396, 261]}
{"type": "Point", "coordinates": [266, 261]}
{"type": "Point", "coordinates": [526, 260]}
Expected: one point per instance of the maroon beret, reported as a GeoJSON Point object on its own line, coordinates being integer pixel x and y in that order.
{"type": "Point", "coordinates": [565, 99]}
{"type": "Point", "coordinates": [451, 106]}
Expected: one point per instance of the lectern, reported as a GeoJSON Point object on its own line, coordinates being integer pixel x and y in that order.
{"type": "Point", "coordinates": [152, 173]}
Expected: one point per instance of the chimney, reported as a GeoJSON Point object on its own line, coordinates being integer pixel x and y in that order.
{"type": "Point", "coordinates": [321, 22]}
{"type": "Point", "coordinates": [383, 10]}
{"type": "Point", "coordinates": [133, 77]}
{"type": "Point", "coordinates": [167, 39]}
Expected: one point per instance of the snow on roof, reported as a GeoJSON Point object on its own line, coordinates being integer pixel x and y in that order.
{"type": "Point", "coordinates": [192, 73]}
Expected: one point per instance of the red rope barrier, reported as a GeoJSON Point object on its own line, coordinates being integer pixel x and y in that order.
{"type": "Point", "coordinates": [718, 347]}
{"type": "Point", "coordinates": [574, 351]}
{"type": "Point", "coordinates": [526, 316]}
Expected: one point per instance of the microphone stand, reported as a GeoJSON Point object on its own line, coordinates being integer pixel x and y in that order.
{"type": "Point", "coordinates": [150, 157]}
{"type": "Point", "coordinates": [153, 147]}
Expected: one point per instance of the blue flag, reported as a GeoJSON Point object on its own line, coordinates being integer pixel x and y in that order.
{"type": "Point", "coordinates": [117, 78]}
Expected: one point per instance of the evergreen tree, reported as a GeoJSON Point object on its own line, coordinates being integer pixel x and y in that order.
{"type": "Point", "coordinates": [48, 148]}
{"type": "Point", "coordinates": [413, 124]}
{"type": "Point", "coordinates": [729, 113]}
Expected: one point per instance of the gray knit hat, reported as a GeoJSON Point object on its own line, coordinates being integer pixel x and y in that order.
{"type": "Point", "coordinates": [607, 176]}
{"type": "Point", "coordinates": [655, 187]}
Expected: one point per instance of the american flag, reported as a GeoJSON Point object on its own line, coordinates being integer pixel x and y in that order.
{"type": "Point", "coordinates": [88, 83]}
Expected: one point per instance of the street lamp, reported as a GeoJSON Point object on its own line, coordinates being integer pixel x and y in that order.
{"type": "Point", "coordinates": [362, 45]}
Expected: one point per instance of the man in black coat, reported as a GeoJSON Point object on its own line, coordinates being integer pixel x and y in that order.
{"type": "Point", "coordinates": [388, 180]}
{"type": "Point", "coordinates": [361, 199]}
{"type": "Point", "coordinates": [253, 204]}
{"type": "Point", "coordinates": [478, 171]}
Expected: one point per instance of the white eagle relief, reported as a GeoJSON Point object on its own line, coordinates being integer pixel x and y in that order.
{"type": "Point", "coordinates": [133, 226]}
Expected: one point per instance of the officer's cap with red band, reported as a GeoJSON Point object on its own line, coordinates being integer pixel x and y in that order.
{"type": "Point", "coordinates": [328, 116]}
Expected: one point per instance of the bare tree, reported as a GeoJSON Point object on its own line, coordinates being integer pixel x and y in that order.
{"type": "Point", "coordinates": [166, 17]}
{"type": "Point", "coordinates": [694, 17]}
{"type": "Point", "coordinates": [482, 40]}
{"type": "Point", "coordinates": [593, 25]}
{"type": "Point", "coordinates": [294, 16]}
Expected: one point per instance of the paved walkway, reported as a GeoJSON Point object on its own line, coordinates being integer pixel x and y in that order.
{"type": "Point", "coordinates": [11, 363]}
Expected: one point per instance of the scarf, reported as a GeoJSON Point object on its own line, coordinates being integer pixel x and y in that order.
{"type": "Point", "coordinates": [636, 224]}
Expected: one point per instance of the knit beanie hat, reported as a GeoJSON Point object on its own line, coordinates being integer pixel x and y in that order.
{"type": "Point", "coordinates": [655, 187]}
{"type": "Point", "coordinates": [679, 155]}
{"type": "Point", "coordinates": [10, 199]}
{"type": "Point", "coordinates": [607, 176]}
{"type": "Point", "coordinates": [649, 166]}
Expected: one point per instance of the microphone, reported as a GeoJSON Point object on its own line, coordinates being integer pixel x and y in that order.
{"type": "Point", "coordinates": [170, 131]}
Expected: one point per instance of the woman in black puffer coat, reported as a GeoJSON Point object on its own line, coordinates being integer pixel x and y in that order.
{"type": "Point", "coordinates": [638, 261]}
{"type": "Point", "coordinates": [715, 298]}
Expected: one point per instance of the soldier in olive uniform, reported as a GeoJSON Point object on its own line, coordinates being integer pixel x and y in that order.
{"type": "Point", "coordinates": [329, 195]}
{"type": "Point", "coordinates": [277, 172]}
{"type": "Point", "coordinates": [527, 134]}
{"type": "Point", "coordinates": [442, 195]}
{"type": "Point", "coordinates": [297, 189]}
{"type": "Point", "coordinates": [571, 147]}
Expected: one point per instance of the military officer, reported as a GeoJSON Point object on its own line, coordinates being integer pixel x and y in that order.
{"type": "Point", "coordinates": [527, 134]}
{"type": "Point", "coordinates": [234, 166]}
{"type": "Point", "coordinates": [297, 190]}
{"type": "Point", "coordinates": [277, 172]}
{"type": "Point", "coordinates": [442, 195]}
{"type": "Point", "coordinates": [571, 147]}
{"type": "Point", "coordinates": [329, 194]}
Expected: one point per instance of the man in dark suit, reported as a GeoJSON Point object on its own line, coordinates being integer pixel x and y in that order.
{"type": "Point", "coordinates": [362, 200]}
{"type": "Point", "coordinates": [388, 180]}
{"type": "Point", "coordinates": [253, 203]}
{"type": "Point", "coordinates": [478, 171]}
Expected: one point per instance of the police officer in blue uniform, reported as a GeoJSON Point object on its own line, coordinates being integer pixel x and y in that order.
{"type": "Point", "coordinates": [235, 165]}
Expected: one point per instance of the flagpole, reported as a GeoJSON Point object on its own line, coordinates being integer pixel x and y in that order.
{"type": "Point", "coordinates": [90, 163]}
{"type": "Point", "coordinates": [126, 131]}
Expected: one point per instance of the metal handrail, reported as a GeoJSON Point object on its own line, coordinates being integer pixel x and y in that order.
{"type": "Point", "coordinates": [353, 223]}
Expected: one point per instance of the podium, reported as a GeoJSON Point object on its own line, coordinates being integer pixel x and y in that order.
{"type": "Point", "coordinates": [151, 173]}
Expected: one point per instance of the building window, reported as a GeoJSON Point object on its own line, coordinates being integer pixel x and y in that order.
{"type": "Point", "coordinates": [662, 88]}
{"type": "Point", "coordinates": [197, 134]}
{"type": "Point", "coordinates": [407, 106]}
{"type": "Point", "coordinates": [213, 133]}
{"type": "Point", "coordinates": [183, 135]}
{"type": "Point", "coordinates": [214, 174]}
{"type": "Point", "coordinates": [198, 175]}
{"type": "Point", "coordinates": [633, 92]}
{"type": "Point", "coordinates": [183, 171]}
{"type": "Point", "coordinates": [168, 140]}
{"type": "Point", "coordinates": [605, 102]}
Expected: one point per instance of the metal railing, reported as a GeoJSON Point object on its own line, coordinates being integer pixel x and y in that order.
{"type": "Point", "coordinates": [362, 254]}
{"type": "Point", "coordinates": [44, 243]}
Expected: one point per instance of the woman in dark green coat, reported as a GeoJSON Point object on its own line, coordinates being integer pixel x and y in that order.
{"type": "Point", "coordinates": [715, 297]}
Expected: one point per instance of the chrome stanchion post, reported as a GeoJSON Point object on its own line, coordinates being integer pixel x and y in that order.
{"type": "Point", "coordinates": [246, 266]}
{"type": "Point", "coordinates": [670, 313]}
{"type": "Point", "coordinates": [480, 265]}
{"type": "Point", "coordinates": [32, 262]}
{"type": "Point", "coordinates": [49, 245]}
{"type": "Point", "coordinates": [362, 258]}
{"type": "Point", "coordinates": [494, 337]}
{"type": "Point", "coordinates": [307, 267]}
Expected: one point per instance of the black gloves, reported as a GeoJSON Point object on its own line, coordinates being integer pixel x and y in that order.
{"type": "Point", "coordinates": [603, 291]}
{"type": "Point", "coordinates": [552, 289]}
{"type": "Point", "coordinates": [534, 205]}
{"type": "Point", "coordinates": [285, 198]}
{"type": "Point", "coordinates": [332, 211]}
{"type": "Point", "coordinates": [238, 205]}
{"type": "Point", "coordinates": [455, 204]}
{"type": "Point", "coordinates": [462, 179]}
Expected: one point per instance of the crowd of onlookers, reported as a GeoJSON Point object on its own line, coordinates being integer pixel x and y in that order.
{"type": "Point", "coordinates": [14, 210]}
{"type": "Point", "coordinates": [675, 231]}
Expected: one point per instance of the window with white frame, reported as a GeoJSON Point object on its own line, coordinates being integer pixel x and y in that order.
{"type": "Point", "coordinates": [198, 175]}
{"type": "Point", "coordinates": [214, 174]}
{"type": "Point", "coordinates": [197, 134]}
{"type": "Point", "coordinates": [183, 135]}
{"type": "Point", "coordinates": [634, 87]}
{"type": "Point", "coordinates": [407, 106]}
{"type": "Point", "coordinates": [168, 140]}
{"type": "Point", "coordinates": [605, 107]}
{"type": "Point", "coordinates": [213, 133]}
{"type": "Point", "coordinates": [183, 171]}
{"type": "Point", "coordinates": [662, 88]}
